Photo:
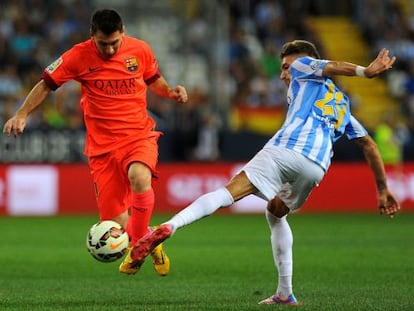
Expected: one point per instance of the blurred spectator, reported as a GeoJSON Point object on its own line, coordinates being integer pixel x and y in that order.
{"type": "Point", "coordinates": [10, 90]}
{"type": "Point", "coordinates": [268, 18]}
{"type": "Point", "coordinates": [207, 148]}
{"type": "Point", "coordinates": [187, 122]}
{"type": "Point", "coordinates": [59, 29]}
{"type": "Point", "coordinates": [391, 137]}
{"type": "Point", "coordinates": [63, 109]}
{"type": "Point", "coordinates": [23, 44]}
{"type": "Point", "coordinates": [390, 145]}
{"type": "Point", "coordinates": [369, 23]}
{"type": "Point", "coordinates": [258, 90]}
{"type": "Point", "coordinates": [408, 91]}
{"type": "Point", "coordinates": [241, 64]}
{"type": "Point", "coordinates": [10, 83]}
{"type": "Point", "coordinates": [198, 31]}
{"type": "Point", "coordinates": [270, 60]}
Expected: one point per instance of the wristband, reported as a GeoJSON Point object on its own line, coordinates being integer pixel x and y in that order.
{"type": "Point", "coordinates": [360, 71]}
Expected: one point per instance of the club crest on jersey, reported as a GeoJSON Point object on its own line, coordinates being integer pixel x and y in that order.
{"type": "Point", "coordinates": [131, 64]}
{"type": "Point", "coordinates": [53, 66]}
{"type": "Point", "coordinates": [315, 64]}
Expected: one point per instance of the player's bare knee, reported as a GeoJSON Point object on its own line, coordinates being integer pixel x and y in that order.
{"type": "Point", "coordinates": [277, 207]}
{"type": "Point", "coordinates": [139, 176]}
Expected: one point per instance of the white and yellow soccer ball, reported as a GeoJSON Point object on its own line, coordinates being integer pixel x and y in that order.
{"type": "Point", "coordinates": [107, 241]}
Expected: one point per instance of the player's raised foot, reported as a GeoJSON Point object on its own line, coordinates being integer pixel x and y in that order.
{"type": "Point", "coordinates": [275, 300]}
{"type": "Point", "coordinates": [129, 266]}
{"type": "Point", "coordinates": [149, 242]}
{"type": "Point", "coordinates": [160, 260]}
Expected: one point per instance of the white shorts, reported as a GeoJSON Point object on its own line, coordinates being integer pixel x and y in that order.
{"type": "Point", "coordinates": [285, 173]}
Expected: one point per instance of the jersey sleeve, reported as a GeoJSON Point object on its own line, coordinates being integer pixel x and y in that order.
{"type": "Point", "coordinates": [307, 68]}
{"type": "Point", "coordinates": [354, 129]}
{"type": "Point", "coordinates": [151, 64]}
{"type": "Point", "coordinates": [61, 70]}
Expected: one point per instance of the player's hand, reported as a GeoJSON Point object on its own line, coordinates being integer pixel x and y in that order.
{"type": "Point", "coordinates": [388, 204]}
{"type": "Point", "coordinates": [15, 125]}
{"type": "Point", "coordinates": [179, 94]}
{"type": "Point", "coordinates": [382, 63]}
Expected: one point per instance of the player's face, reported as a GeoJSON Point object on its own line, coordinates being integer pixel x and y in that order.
{"type": "Point", "coordinates": [285, 71]}
{"type": "Point", "coordinates": [107, 45]}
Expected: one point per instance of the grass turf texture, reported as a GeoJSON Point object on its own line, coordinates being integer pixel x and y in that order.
{"type": "Point", "coordinates": [224, 262]}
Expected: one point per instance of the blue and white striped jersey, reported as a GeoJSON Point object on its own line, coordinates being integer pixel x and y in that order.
{"type": "Point", "coordinates": [318, 113]}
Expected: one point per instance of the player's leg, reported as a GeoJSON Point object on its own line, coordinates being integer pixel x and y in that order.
{"type": "Point", "coordinates": [282, 243]}
{"type": "Point", "coordinates": [277, 207]}
{"type": "Point", "coordinates": [303, 176]}
{"type": "Point", "coordinates": [253, 178]}
{"type": "Point", "coordinates": [109, 189]}
{"type": "Point", "coordinates": [141, 208]}
{"type": "Point", "coordinates": [141, 211]}
{"type": "Point", "coordinates": [141, 200]}
{"type": "Point", "coordinates": [238, 187]}
{"type": "Point", "coordinates": [139, 160]}
{"type": "Point", "coordinates": [207, 204]}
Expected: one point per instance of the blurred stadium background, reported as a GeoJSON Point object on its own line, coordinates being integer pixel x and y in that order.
{"type": "Point", "coordinates": [226, 54]}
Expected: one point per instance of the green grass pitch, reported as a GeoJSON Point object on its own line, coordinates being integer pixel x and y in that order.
{"type": "Point", "coordinates": [341, 262]}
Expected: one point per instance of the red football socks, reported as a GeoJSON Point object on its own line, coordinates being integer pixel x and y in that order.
{"type": "Point", "coordinates": [142, 205]}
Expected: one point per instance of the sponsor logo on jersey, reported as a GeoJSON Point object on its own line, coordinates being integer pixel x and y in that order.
{"type": "Point", "coordinates": [53, 66]}
{"type": "Point", "coordinates": [131, 64]}
{"type": "Point", "coordinates": [116, 87]}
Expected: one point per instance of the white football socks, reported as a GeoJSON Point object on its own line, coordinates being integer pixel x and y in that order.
{"type": "Point", "coordinates": [282, 241]}
{"type": "Point", "coordinates": [205, 205]}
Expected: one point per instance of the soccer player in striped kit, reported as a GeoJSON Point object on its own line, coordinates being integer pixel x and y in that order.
{"type": "Point", "coordinates": [295, 159]}
{"type": "Point", "coordinates": [115, 71]}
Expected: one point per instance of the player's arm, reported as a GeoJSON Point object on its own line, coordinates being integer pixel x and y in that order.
{"type": "Point", "coordinates": [388, 204]}
{"type": "Point", "coordinates": [17, 123]}
{"type": "Point", "coordinates": [381, 63]}
{"type": "Point", "coordinates": [162, 88]}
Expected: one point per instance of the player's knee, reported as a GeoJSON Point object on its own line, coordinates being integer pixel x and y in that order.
{"type": "Point", "coordinates": [277, 207]}
{"type": "Point", "coordinates": [139, 176]}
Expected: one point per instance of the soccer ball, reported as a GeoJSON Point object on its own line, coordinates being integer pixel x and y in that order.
{"type": "Point", "coordinates": [107, 241]}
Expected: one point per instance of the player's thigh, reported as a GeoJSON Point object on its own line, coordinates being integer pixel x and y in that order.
{"type": "Point", "coordinates": [139, 175]}
{"type": "Point", "coordinates": [295, 192]}
{"type": "Point", "coordinates": [111, 186]}
{"type": "Point", "coordinates": [240, 186]}
{"type": "Point", "coordinates": [263, 171]}
{"type": "Point", "coordinates": [140, 160]}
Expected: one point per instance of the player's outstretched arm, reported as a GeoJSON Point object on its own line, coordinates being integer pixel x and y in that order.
{"type": "Point", "coordinates": [387, 202]}
{"type": "Point", "coordinates": [17, 123]}
{"type": "Point", "coordinates": [161, 88]}
{"type": "Point", "coordinates": [380, 64]}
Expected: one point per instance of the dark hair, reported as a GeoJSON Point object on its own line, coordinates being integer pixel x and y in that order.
{"type": "Point", "coordinates": [299, 47]}
{"type": "Point", "coordinates": [106, 20]}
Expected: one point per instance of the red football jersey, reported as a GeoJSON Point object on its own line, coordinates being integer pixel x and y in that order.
{"type": "Point", "coordinates": [113, 91]}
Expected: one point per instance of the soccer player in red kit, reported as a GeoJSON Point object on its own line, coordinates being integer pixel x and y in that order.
{"type": "Point", "coordinates": [114, 71]}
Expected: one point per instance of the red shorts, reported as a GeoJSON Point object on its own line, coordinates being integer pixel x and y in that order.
{"type": "Point", "coordinates": [110, 174]}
